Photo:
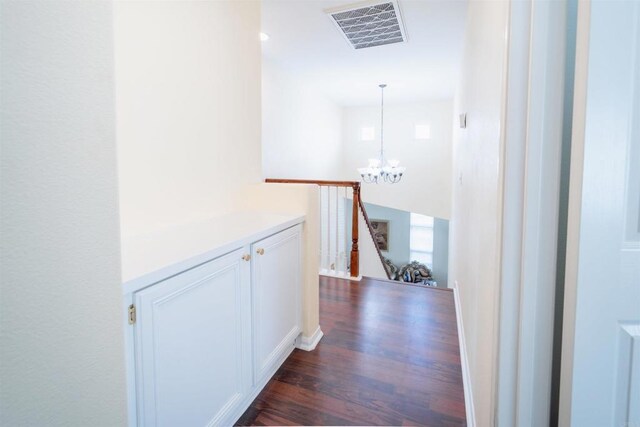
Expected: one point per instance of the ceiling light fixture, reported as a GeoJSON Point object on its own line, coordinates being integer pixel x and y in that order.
{"type": "Point", "coordinates": [264, 37]}
{"type": "Point", "coordinates": [379, 170]}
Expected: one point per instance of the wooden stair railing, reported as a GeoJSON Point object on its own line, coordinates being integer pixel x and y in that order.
{"type": "Point", "coordinates": [357, 204]}
{"type": "Point", "coordinates": [373, 237]}
{"type": "Point", "coordinates": [355, 185]}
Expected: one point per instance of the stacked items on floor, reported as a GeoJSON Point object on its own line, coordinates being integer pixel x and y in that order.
{"type": "Point", "coordinates": [414, 272]}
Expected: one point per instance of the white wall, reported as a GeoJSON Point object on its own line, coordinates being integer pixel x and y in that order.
{"type": "Point", "coordinates": [475, 222]}
{"type": "Point", "coordinates": [426, 186]}
{"type": "Point", "coordinates": [188, 87]}
{"type": "Point", "coordinates": [303, 199]}
{"type": "Point", "coordinates": [301, 128]}
{"type": "Point", "coordinates": [188, 109]}
{"type": "Point", "coordinates": [61, 341]}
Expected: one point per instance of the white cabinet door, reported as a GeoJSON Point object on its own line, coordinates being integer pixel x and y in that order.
{"type": "Point", "coordinates": [276, 282]}
{"type": "Point", "coordinates": [192, 338]}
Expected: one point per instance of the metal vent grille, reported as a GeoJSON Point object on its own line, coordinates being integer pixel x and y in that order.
{"type": "Point", "coordinates": [369, 26]}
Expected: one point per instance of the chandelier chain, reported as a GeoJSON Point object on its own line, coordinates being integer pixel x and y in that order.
{"type": "Point", "coordinates": [382, 86]}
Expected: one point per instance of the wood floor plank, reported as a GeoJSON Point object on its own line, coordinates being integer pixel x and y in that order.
{"type": "Point", "coordinates": [389, 356]}
{"type": "Point", "coordinates": [379, 367]}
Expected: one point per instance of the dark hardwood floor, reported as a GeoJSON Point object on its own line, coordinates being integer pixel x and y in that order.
{"type": "Point", "coordinates": [389, 356]}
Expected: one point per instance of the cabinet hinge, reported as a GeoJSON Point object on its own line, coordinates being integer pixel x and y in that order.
{"type": "Point", "coordinates": [132, 314]}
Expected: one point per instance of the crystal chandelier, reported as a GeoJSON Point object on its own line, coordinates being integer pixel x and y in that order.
{"type": "Point", "coordinates": [378, 169]}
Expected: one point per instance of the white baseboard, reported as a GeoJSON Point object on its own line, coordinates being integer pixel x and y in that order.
{"type": "Point", "coordinates": [310, 343]}
{"type": "Point", "coordinates": [233, 417]}
{"type": "Point", "coordinates": [466, 379]}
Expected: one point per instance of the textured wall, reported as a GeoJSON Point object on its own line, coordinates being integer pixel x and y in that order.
{"type": "Point", "coordinates": [301, 199]}
{"type": "Point", "coordinates": [61, 342]}
{"type": "Point", "coordinates": [475, 223]}
{"type": "Point", "coordinates": [301, 128]}
{"type": "Point", "coordinates": [188, 109]}
{"type": "Point", "coordinates": [426, 186]}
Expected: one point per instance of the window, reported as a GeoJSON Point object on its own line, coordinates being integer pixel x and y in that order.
{"type": "Point", "coordinates": [423, 131]}
{"type": "Point", "coordinates": [367, 133]}
{"type": "Point", "coordinates": [421, 239]}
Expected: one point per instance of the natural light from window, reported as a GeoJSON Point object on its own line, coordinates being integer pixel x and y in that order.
{"type": "Point", "coordinates": [423, 131]}
{"type": "Point", "coordinates": [367, 133]}
{"type": "Point", "coordinates": [421, 239]}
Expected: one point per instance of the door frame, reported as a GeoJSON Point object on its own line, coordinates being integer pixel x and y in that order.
{"type": "Point", "coordinates": [574, 214]}
{"type": "Point", "coordinates": [533, 137]}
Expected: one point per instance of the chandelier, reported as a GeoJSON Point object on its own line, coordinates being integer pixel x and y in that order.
{"type": "Point", "coordinates": [378, 169]}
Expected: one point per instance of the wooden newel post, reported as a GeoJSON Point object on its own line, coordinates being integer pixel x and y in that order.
{"type": "Point", "coordinates": [355, 255]}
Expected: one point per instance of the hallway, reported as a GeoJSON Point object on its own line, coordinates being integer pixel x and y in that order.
{"type": "Point", "coordinates": [389, 356]}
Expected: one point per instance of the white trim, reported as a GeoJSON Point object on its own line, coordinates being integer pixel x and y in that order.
{"type": "Point", "coordinates": [532, 152]}
{"type": "Point", "coordinates": [151, 258]}
{"type": "Point", "coordinates": [275, 358]}
{"type": "Point", "coordinates": [464, 362]}
{"type": "Point", "coordinates": [130, 363]}
{"type": "Point", "coordinates": [575, 211]}
{"type": "Point", "coordinates": [513, 152]}
{"type": "Point", "coordinates": [310, 343]}
{"type": "Point", "coordinates": [545, 125]}
{"type": "Point", "coordinates": [257, 388]}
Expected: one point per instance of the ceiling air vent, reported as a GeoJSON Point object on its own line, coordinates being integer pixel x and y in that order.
{"type": "Point", "coordinates": [369, 25]}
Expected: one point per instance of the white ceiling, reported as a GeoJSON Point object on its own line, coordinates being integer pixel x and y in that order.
{"type": "Point", "coordinates": [304, 40]}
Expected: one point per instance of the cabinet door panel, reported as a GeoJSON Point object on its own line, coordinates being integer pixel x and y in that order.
{"type": "Point", "coordinates": [276, 282]}
{"type": "Point", "coordinates": [192, 342]}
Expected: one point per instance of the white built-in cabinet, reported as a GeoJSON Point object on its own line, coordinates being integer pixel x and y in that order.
{"type": "Point", "coordinates": [203, 342]}
{"type": "Point", "coordinates": [193, 341]}
{"type": "Point", "coordinates": [275, 273]}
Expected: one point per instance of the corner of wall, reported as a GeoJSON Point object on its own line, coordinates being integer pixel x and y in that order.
{"type": "Point", "coordinates": [301, 199]}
